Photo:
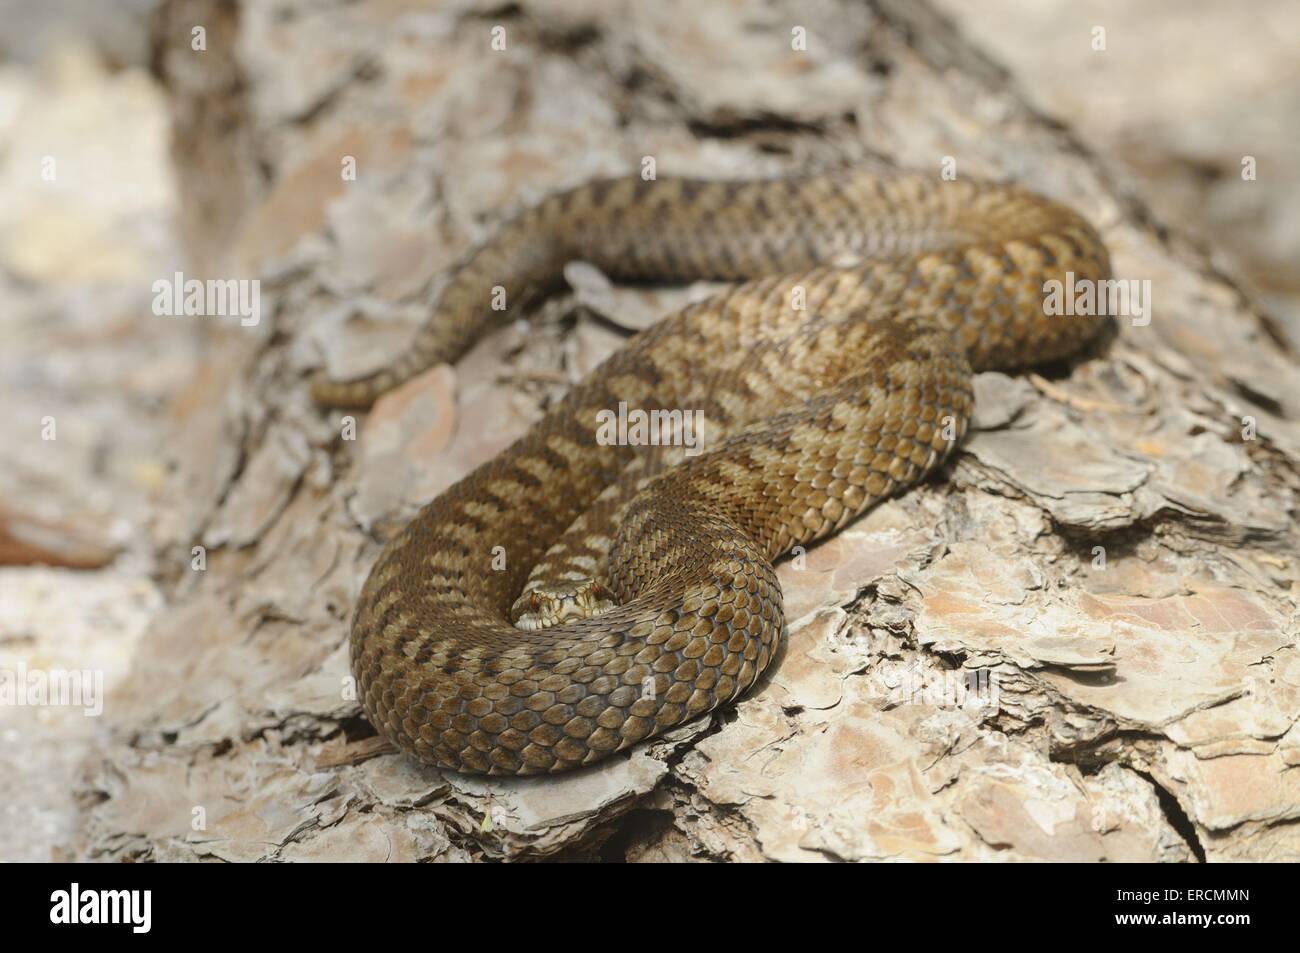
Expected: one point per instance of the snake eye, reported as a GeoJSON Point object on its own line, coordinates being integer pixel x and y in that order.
{"type": "Point", "coordinates": [534, 602]}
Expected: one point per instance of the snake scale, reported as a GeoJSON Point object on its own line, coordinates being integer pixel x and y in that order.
{"type": "Point", "coordinates": [834, 373]}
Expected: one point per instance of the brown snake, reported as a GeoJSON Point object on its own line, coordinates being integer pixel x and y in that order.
{"type": "Point", "coordinates": [838, 372]}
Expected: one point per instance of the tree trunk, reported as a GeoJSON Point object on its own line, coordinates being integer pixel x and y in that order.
{"type": "Point", "coordinates": [1076, 642]}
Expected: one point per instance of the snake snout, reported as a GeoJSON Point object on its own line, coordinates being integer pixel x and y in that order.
{"type": "Point", "coordinates": [552, 603]}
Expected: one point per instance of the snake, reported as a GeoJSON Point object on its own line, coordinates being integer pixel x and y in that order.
{"type": "Point", "coordinates": [579, 594]}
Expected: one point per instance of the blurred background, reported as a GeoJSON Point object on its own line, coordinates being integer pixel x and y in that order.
{"type": "Point", "coordinates": [88, 221]}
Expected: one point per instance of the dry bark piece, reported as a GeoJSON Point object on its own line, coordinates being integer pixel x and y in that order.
{"type": "Point", "coordinates": [27, 540]}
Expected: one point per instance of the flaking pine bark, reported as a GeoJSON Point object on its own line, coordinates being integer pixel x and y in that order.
{"type": "Point", "coordinates": [1077, 641]}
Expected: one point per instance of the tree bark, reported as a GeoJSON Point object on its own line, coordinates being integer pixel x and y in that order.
{"type": "Point", "coordinates": [1077, 642]}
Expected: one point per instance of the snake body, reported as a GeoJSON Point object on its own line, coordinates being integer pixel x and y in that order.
{"type": "Point", "coordinates": [837, 372]}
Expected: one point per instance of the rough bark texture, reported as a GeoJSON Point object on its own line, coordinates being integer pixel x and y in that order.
{"type": "Point", "coordinates": [1109, 561]}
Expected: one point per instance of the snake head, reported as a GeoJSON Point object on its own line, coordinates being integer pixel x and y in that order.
{"type": "Point", "coordinates": [552, 603]}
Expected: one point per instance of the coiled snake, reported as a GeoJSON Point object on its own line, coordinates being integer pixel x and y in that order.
{"type": "Point", "coordinates": [835, 374]}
